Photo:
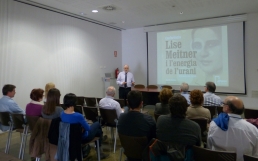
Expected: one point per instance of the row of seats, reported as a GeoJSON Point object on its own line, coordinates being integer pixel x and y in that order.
{"type": "Point", "coordinates": [152, 86]}
{"type": "Point", "coordinates": [135, 147]}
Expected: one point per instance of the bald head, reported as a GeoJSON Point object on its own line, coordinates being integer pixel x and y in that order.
{"type": "Point", "coordinates": [233, 105]}
{"type": "Point", "coordinates": [111, 91]}
{"type": "Point", "coordinates": [126, 68]}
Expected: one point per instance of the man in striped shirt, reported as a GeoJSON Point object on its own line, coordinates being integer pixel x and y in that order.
{"type": "Point", "coordinates": [210, 99]}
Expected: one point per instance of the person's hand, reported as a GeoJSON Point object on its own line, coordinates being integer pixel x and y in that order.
{"type": "Point", "coordinates": [133, 83]}
{"type": "Point", "coordinates": [123, 83]}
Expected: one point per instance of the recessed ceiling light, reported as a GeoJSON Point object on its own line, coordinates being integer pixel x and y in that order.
{"type": "Point", "coordinates": [94, 11]}
{"type": "Point", "coordinates": [82, 13]}
{"type": "Point", "coordinates": [181, 13]}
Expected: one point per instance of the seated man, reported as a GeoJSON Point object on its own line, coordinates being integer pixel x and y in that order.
{"type": "Point", "coordinates": [229, 132]}
{"type": "Point", "coordinates": [175, 128]}
{"type": "Point", "coordinates": [109, 103]}
{"type": "Point", "coordinates": [7, 104]}
{"type": "Point", "coordinates": [184, 92]}
{"type": "Point", "coordinates": [69, 116]}
{"type": "Point", "coordinates": [210, 99]}
{"type": "Point", "coordinates": [134, 123]}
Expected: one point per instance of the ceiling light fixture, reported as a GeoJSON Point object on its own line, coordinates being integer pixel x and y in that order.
{"type": "Point", "coordinates": [181, 13]}
{"type": "Point", "coordinates": [82, 13]}
{"type": "Point", "coordinates": [94, 11]}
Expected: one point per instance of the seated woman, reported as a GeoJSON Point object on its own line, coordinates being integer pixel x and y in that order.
{"type": "Point", "coordinates": [34, 108]}
{"type": "Point", "coordinates": [52, 108]}
{"type": "Point", "coordinates": [89, 132]}
{"type": "Point", "coordinates": [195, 110]}
{"type": "Point", "coordinates": [162, 108]}
{"type": "Point", "coordinates": [47, 88]}
{"type": "Point", "coordinates": [175, 128]}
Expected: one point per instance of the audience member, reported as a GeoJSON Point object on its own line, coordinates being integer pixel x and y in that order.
{"type": "Point", "coordinates": [184, 92]}
{"type": "Point", "coordinates": [210, 99]}
{"type": "Point", "coordinates": [162, 108]}
{"type": "Point", "coordinates": [229, 132]}
{"type": "Point", "coordinates": [52, 108]}
{"type": "Point", "coordinates": [34, 108]}
{"type": "Point", "coordinates": [7, 104]}
{"type": "Point", "coordinates": [196, 110]}
{"type": "Point", "coordinates": [69, 116]}
{"type": "Point", "coordinates": [47, 88]}
{"type": "Point", "coordinates": [109, 103]}
{"type": "Point", "coordinates": [135, 123]}
{"type": "Point", "coordinates": [175, 128]}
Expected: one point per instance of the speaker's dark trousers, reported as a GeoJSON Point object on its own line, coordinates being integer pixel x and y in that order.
{"type": "Point", "coordinates": [123, 93]}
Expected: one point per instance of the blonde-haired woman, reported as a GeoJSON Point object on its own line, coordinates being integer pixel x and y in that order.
{"type": "Point", "coordinates": [47, 88]}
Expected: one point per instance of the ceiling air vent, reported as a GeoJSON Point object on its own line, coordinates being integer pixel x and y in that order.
{"type": "Point", "coordinates": [109, 8]}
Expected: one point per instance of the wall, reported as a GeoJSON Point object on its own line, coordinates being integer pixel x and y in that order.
{"type": "Point", "coordinates": [134, 49]}
{"type": "Point", "coordinates": [38, 46]}
{"type": "Point", "coordinates": [135, 53]}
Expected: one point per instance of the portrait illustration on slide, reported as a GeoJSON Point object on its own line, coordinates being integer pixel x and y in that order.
{"type": "Point", "coordinates": [194, 56]}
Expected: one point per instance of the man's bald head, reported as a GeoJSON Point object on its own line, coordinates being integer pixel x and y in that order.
{"type": "Point", "coordinates": [126, 68]}
{"type": "Point", "coordinates": [111, 91]}
{"type": "Point", "coordinates": [233, 105]}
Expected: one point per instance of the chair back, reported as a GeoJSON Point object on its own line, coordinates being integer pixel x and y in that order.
{"type": "Point", "coordinates": [109, 116]}
{"type": "Point", "coordinates": [202, 122]}
{"type": "Point", "coordinates": [201, 154]}
{"type": "Point", "coordinates": [78, 108]}
{"type": "Point", "coordinates": [214, 110]}
{"type": "Point", "coordinates": [133, 146]}
{"type": "Point", "coordinates": [98, 99]}
{"type": "Point", "coordinates": [91, 113]}
{"type": "Point", "coordinates": [152, 86]}
{"type": "Point", "coordinates": [18, 120]}
{"type": "Point", "coordinates": [250, 158]}
{"type": "Point", "coordinates": [5, 118]}
{"type": "Point", "coordinates": [121, 102]}
{"type": "Point", "coordinates": [32, 120]}
{"type": "Point", "coordinates": [167, 86]}
{"type": "Point", "coordinates": [91, 101]}
{"type": "Point", "coordinates": [80, 100]}
{"type": "Point", "coordinates": [251, 113]}
{"type": "Point", "coordinates": [156, 116]}
{"type": "Point", "coordinates": [139, 86]}
{"type": "Point", "coordinates": [63, 106]}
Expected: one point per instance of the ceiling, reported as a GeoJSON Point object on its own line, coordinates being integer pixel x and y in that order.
{"type": "Point", "coordinates": [139, 13]}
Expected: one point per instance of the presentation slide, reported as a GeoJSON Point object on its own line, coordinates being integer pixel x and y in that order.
{"type": "Point", "coordinates": [193, 56]}
{"type": "Point", "coordinates": [198, 55]}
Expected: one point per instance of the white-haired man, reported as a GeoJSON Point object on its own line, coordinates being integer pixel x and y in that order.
{"type": "Point", "coordinates": [109, 103]}
{"type": "Point", "coordinates": [184, 92]}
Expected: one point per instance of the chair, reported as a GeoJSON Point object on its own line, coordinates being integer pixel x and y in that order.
{"type": "Point", "coordinates": [201, 154]}
{"type": "Point", "coordinates": [98, 99]}
{"type": "Point", "coordinates": [152, 87]}
{"type": "Point", "coordinates": [91, 113]}
{"type": "Point", "coordinates": [75, 140]}
{"type": "Point", "coordinates": [250, 158]}
{"type": "Point", "coordinates": [110, 119]}
{"type": "Point", "coordinates": [78, 108]}
{"type": "Point", "coordinates": [156, 116]}
{"type": "Point", "coordinates": [22, 127]}
{"type": "Point", "coordinates": [32, 120]}
{"type": "Point", "coordinates": [90, 101]}
{"type": "Point", "coordinates": [80, 100]}
{"type": "Point", "coordinates": [167, 86]}
{"type": "Point", "coordinates": [132, 147]}
{"type": "Point", "coordinates": [121, 102]}
{"type": "Point", "coordinates": [251, 113]}
{"type": "Point", "coordinates": [139, 86]}
{"type": "Point", "coordinates": [214, 110]}
{"type": "Point", "coordinates": [6, 121]}
{"type": "Point", "coordinates": [202, 122]}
